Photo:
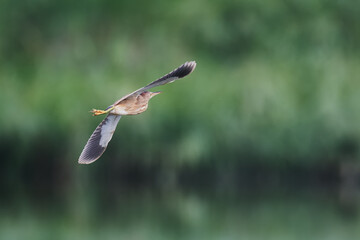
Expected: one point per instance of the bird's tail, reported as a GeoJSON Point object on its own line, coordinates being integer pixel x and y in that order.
{"type": "Point", "coordinates": [99, 140]}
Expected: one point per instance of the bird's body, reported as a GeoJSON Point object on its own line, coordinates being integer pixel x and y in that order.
{"type": "Point", "coordinates": [131, 104]}
{"type": "Point", "coordinates": [134, 104]}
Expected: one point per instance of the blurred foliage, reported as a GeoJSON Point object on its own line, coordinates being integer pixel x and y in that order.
{"type": "Point", "coordinates": [248, 146]}
{"type": "Point", "coordinates": [129, 214]}
{"type": "Point", "coordinates": [276, 81]}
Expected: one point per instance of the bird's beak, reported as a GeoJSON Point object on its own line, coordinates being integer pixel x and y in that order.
{"type": "Point", "coordinates": [155, 93]}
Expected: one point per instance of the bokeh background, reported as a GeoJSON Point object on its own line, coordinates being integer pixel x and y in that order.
{"type": "Point", "coordinates": [261, 141]}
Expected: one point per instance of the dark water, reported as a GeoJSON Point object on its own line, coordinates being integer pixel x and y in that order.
{"type": "Point", "coordinates": [143, 212]}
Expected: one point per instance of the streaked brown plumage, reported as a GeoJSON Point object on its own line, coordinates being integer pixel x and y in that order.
{"type": "Point", "coordinates": [131, 104]}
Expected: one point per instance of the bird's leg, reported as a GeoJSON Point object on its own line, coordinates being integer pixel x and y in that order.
{"type": "Point", "coordinates": [97, 112]}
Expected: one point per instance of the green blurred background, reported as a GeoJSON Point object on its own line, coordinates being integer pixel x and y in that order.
{"type": "Point", "coordinates": [261, 141]}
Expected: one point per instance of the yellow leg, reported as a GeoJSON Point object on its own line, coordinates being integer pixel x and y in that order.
{"type": "Point", "coordinates": [97, 112]}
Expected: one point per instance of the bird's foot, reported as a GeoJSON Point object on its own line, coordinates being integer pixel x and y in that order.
{"type": "Point", "coordinates": [96, 112]}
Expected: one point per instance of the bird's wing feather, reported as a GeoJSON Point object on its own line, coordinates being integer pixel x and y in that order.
{"type": "Point", "coordinates": [178, 73]}
{"type": "Point", "coordinates": [99, 140]}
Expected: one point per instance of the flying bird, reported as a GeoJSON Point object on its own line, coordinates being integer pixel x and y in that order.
{"type": "Point", "coordinates": [131, 104]}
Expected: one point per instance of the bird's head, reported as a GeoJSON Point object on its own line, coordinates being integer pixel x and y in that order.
{"type": "Point", "coordinates": [153, 94]}
{"type": "Point", "coordinates": [148, 95]}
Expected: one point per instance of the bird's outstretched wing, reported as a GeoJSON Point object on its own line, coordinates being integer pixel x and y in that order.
{"type": "Point", "coordinates": [99, 140]}
{"type": "Point", "coordinates": [178, 73]}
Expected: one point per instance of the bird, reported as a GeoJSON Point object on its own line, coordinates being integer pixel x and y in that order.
{"type": "Point", "coordinates": [131, 104]}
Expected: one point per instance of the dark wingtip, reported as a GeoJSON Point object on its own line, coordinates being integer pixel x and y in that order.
{"type": "Point", "coordinates": [91, 155]}
{"type": "Point", "coordinates": [87, 161]}
{"type": "Point", "coordinates": [184, 69]}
